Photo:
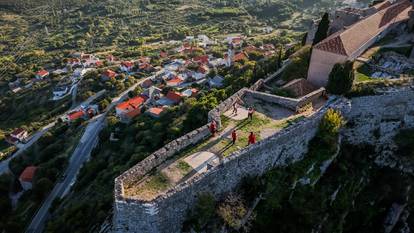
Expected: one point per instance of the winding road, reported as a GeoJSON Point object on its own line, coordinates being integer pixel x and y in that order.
{"type": "Point", "coordinates": [80, 155]}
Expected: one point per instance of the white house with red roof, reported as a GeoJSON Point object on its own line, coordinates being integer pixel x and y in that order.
{"type": "Point", "coordinates": [126, 66]}
{"type": "Point", "coordinates": [351, 42]}
{"type": "Point", "coordinates": [26, 177]}
{"type": "Point", "coordinates": [175, 82]}
{"type": "Point", "coordinates": [18, 135]}
{"type": "Point", "coordinates": [108, 75]}
{"type": "Point", "coordinates": [172, 98]}
{"type": "Point", "coordinates": [129, 109]}
{"type": "Point", "coordinates": [41, 74]}
{"type": "Point", "coordinates": [155, 112]}
{"type": "Point", "coordinates": [74, 62]}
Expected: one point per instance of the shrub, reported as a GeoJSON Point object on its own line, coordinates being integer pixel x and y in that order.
{"type": "Point", "coordinates": [330, 124]}
{"type": "Point", "coordinates": [299, 66]}
{"type": "Point", "coordinates": [232, 211]}
{"type": "Point", "coordinates": [341, 78]}
{"type": "Point", "coordinates": [204, 211]}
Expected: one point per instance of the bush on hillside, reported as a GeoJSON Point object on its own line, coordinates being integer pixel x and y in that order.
{"type": "Point", "coordinates": [299, 66]}
{"type": "Point", "coordinates": [330, 124]}
{"type": "Point", "coordinates": [341, 78]}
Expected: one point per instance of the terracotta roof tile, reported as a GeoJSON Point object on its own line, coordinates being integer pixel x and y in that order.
{"type": "Point", "coordinates": [349, 41]}
{"type": "Point", "coordinates": [28, 174]}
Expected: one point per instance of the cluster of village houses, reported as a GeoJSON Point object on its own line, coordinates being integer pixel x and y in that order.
{"type": "Point", "coordinates": [178, 75]}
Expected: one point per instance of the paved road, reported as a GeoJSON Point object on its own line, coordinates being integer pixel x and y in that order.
{"type": "Point", "coordinates": [81, 154]}
{"type": "Point", "coordinates": [4, 165]}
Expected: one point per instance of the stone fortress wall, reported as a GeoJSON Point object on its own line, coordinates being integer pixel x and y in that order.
{"type": "Point", "coordinates": [385, 114]}
{"type": "Point", "coordinates": [166, 213]}
{"type": "Point", "coordinates": [388, 113]}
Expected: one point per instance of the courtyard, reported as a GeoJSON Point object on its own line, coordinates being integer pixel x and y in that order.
{"type": "Point", "coordinates": [268, 119]}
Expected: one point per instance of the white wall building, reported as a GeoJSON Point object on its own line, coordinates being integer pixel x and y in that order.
{"type": "Point", "coordinates": [350, 43]}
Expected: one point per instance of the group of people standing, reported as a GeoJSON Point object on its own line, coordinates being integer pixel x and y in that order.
{"type": "Point", "coordinates": [234, 134]}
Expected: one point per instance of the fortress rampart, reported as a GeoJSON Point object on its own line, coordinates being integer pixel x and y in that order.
{"type": "Point", "coordinates": [375, 120]}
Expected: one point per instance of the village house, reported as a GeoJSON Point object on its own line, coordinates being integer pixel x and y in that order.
{"type": "Point", "coordinates": [41, 74]}
{"type": "Point", "coordinates": [155, 112]}
{"type": "Point", "coordinates": [216, 82]}
{"type": "Point", "coordinates": [192, 92]}
{"type": "Point", "coordinates": [74, 62]}
{"type": "Point", "coordinates": [110, 58]}
{"type": "Point", "coordinates": [81, 113]}
{"type": "Point", "coordinates": [351, 42]}
{"type": "Point", "coordinates": [75, 115]}
{"type": "Point", "coordinates": [129, 109]}
{"type": "Point", "coordinates": [17, 136]}
{"type": "Point", "coordinates": [204, 59]}
{"type": "Point", "coordinates": [235, 41]}
{"type": "Point", "coordinates": [147, 83]}
{"type": "Point", "coordinates": [174, 65]}
{"type": "Point", "coordinates": [153, 94]}
{"type": "Point", "coordinates": [204, 41]}
{"type": "Point", "coordinates": [172, 98]}
{"type": "Point", "coordinates": [127, 66]}
{"type": "Point", "coordinates": [15, 84]}
{"type": "Point", "coordinates": [26, 177]}
{"type": "Point", "coordinates": [175, 82]}
{"type": "Point", "coordinates": [89, 60]}
{"type": "Point", "coordinates": [108, 75]}
{"type": "Point", "coordinates": [60, 91]}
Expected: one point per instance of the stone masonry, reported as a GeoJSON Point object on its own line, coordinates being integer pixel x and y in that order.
{"type": "Point", "coordinates": [386, 113]}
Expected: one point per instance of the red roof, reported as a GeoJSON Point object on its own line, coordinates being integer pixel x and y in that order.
{"type": "Point", "coordinates": [99, 63]}
{"type": "Point", "coordinates": [145, 66]}
{"type": "Point", "coordinates": [156, 111]}
{"type": "Point", "coordinates": [76, 115]}
{"type": "Point", "coordinates": [174, 96]}
{"type": "Point", "coordinates": [251, 48]}
{"type": "Point", "coordinates": [135, 112]}
{"type": "Point", "coordinates": [349, 42]}
{"type": "Point", "coordinates": [28, 174]}
{"type": "Point", "coordinates": [130, 104]}
{"type": "Point", "coordinates": [239, 57]}
{"type": "Point", "coordinates": [144, 59]}
{"type": "Point", "coordinates": [109, 74]}
{"type": "Point", "coordinates": [85, 56]}
{"type": "Point", "coordinates": [201, 59]}
{"type": "Point", "coordinates": [73, 60]}
{"type": "Point", "coordinates": [174, 81]}
{"type": "Point", "coordinates": [163, 54]}
{"type": "Point", "coordinates": [17, 131]}
{"type": "Point", "coordinates": [42, 73]}
{"type": "Point", "coordinates": [202, 69]}
{"type": "Point", "coordinates": [236, 40]}
{"type": "Point", "coordinates": [127, 64]}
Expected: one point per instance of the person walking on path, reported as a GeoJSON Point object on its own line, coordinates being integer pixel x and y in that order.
{"type": "Point", "coordinates": [234, 137]}
{"type": "Point", "coordinates": [235, 108]}
{"type": "Point", "coordinates": [213, 128]}
{"type": "Point", "coordinates": [250, 113]}
{"type": "Point", "coordinates": [252, 139]}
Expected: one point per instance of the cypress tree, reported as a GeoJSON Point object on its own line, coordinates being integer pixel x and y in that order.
{"type": "Point", "coordinates": [323, 28]}
{"type": "Point", "coordinates": [341, 78]}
